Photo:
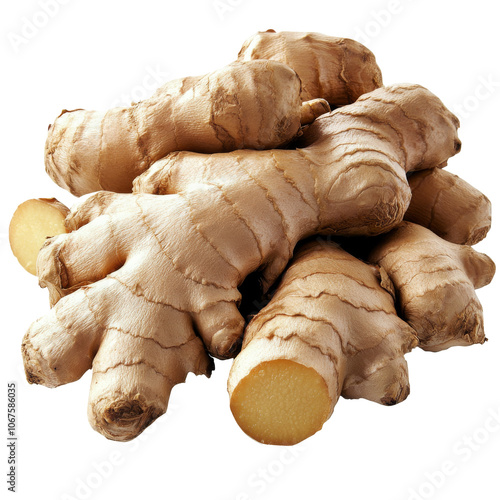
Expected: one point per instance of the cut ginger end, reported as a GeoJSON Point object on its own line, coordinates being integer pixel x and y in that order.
{"type": "Point", "coordinates": [281, 402]}
{"type": "Point", "coordinates": [32, 223]}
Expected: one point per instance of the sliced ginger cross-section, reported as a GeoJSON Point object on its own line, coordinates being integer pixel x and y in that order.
{"type": "Point", "coordinates": [281, 401]}
{"type": "Point", "coordinates": [33, 222]}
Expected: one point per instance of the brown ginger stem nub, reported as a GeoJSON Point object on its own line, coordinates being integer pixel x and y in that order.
{"type": "Point", "coordinates": [312, 109]}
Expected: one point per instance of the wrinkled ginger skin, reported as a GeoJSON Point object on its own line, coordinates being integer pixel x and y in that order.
{"type": "Point", "coordinates": [112, 315]}
{"type": "Point", "coordinates": [336, 69]}
{"type": "Point", "coordinates": [349, 179]}
{"type": "Point", "coordinates": [403, 124]}
{"type": "Point", "coordinates": [252, 105]}
{"type": "Point", "coordinates": [448, 206]}
{"type": "Point", "coordinates": [435, 281]}
{"type": "Point", "coordinates": [330, 315]}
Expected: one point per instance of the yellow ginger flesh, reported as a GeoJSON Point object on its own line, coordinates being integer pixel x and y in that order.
{"type": "Point", "coordinates": [281, 401]}
{"type": "Point", "coordinates": [32, 223]}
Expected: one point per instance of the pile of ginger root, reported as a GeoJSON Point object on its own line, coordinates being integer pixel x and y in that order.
{"type": "Point", "coordinates": [293, 169]}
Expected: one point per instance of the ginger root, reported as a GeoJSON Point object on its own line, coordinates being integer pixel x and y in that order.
{"type": "Point", "coordinates": [331, 329]}
{"type": "Point", "coordinates": [116, 317]}
{"type": "Point", "coordinates": [139, 273]}
{"type": "Point", "coordinates": [144, 288]}
{"type": "Point", "coordinates": [339, 70]}
{"type": "Point", "coordinates": [349, 180]}
{"type": "Point", "coordinates": [252, 105]}
{"type": "Point", "coordinates": [354, 160]}
{"type": "Point", "coordinates": [434, 281]}
{"type": "Point", "coordinates": [32, 223]}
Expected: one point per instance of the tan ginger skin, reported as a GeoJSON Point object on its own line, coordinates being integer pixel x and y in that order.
{"type": "Point", "coordinates": [226, 110]}
{"type": "Point", "coordinates": [331, 329]}
{"type": "Point", "coordinates": [434, 281]}
{"type": "Point", "coordinates": [242, 105]}
{"type": "Point", "coordinates": [449, 206]}
{"type": "Point", "coordinates": [357, 157]}
{"type": "Point", "coordinates": [139, 273]}
{"type": "Point", "coordinates": [336, 69]}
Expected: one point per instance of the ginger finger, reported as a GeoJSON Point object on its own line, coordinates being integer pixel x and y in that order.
{"type": "Point", "coordinates": [404, 123]}
{"type": "Point", "coordinates": [134, 371]}
{"type": "Point", "coordinates": [448, 206]}
{"type": "Point", "coordinates": [435, 281]}
{"type": "Point", "coordinates": [138, 351]}
{"type": "Point", "coordinates": [329, 330]}
{"type": "Point", "coordinates": [79, 260]}
{"type": "Point", "coordinates": [32, 223]}
{"type": "Point", "coordinates": [336, 69]}
{"type": "Point", "coordinates": [252, 104]}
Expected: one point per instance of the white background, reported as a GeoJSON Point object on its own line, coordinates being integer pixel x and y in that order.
{"type": "Point", "coordinates": [96, 54]}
